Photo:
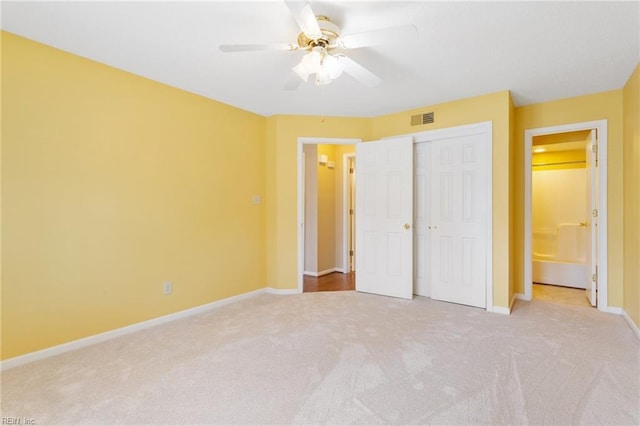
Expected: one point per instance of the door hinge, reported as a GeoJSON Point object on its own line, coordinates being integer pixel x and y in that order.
{"type": "Point", "coordinates": [594, 277]}
{"type": "Point", "coordinates": [350, 252]}
{"type": "Point", "coordinates": [594, 212]}
{"type": "Point", "coordinates": [351, 170]}
{"type": "Point", "coordinates": [350, 211]}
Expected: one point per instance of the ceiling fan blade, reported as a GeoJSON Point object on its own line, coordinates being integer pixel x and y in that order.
{"type": "Point", "coordinates": [393, 35]}
{"type": "Point", "coordinates": [304, 16]}
{"type": "Point", "coordinates": [359, 72]}
{"type": "Point", "coordinates": [256, 47]}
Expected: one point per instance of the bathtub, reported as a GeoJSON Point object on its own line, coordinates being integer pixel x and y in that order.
{"type": "Point", "coordinates": [559, 255]}
{"type": "Point", "coordinates": [568, 274]}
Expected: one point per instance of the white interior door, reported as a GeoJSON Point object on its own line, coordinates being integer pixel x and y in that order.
{"type": "Point", "coordinates": [592, 219]}
{"type": "Point", "coordinates": [384, 212]}
{"type": "Point", "coordinates": [457, 219]}
{"type": "Point", "coordinates": [352, 217]}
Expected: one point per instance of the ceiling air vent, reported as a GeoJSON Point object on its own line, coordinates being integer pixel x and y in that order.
{"type": "Point", "coordinates": [418, 119]}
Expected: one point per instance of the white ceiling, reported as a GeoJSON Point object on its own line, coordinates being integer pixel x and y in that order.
{"type": "Point", "coordinates": [539, 50]}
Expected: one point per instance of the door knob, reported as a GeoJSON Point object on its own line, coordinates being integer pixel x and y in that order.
{"type": "Point", "coordinates": [407, 226]}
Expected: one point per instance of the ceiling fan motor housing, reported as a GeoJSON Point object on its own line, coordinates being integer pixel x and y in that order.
{"type": "Point", "coordinates": [329, 39]}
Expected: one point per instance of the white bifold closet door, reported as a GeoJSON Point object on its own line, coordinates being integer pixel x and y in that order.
{"type": "Point", "coordinates": [451, 235]}
{"type": "Point", "coordinates": [456, 225]}
{"type": "Point", "coordinates": [451, 200]}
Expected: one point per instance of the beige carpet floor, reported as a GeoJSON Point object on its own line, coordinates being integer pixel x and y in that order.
{"type": "Point", "coordinates": [345, 358]}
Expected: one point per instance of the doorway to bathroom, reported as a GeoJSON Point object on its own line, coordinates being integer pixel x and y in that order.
{"type": "Point", "coordinates": [565, 214]}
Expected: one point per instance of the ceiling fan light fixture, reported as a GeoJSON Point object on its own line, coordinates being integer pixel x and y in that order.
{"type": "Point", "coordinates": [301, 71]}
{"type": "Point", "coordinates": [313, 60]}
{"type": "Point", "coordinates": [323, 77]}
{"type": "Point", "coordinates": [333, 65]}
{"type": "Point", "coordinates": [325, 66]}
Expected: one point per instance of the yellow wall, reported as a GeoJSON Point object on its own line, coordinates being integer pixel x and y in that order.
{"type": "Point", "coordinates": [282, 214]}
{"type": "Point", "coordinates": [607, 105]}
{"type": "Point", "coordinates": [493, 107]}
{"type": "Point", "coordinates": [566, 137]}
{"type": "Point", "coordinates": [115, 183]}
{"type": "Point", "coordinates": [1, 42]}
{"type": "Point", "coordinates": [559, 160]}
{"type": "Point", "coordinates": [631, 119]}
{"type": "Point", "coordinates": [112, 184]}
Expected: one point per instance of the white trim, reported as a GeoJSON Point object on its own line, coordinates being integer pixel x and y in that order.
{"type": "Point", "coordinates": [282, 291]}
{"type": "Point", "coordinates": [321, 273]}
{"type": "Point", "coordinates": [500, 310]}
{"type": "Point", "coordinates": [346, 192]}
{"type": "Point", "coordinates": [521, 296]}
{"type": "Point", "coordinates": [601, 126]}
{"type": "Point", "coordinates": [613, 310]}
{"type": "Point", "coordinates": [632, 324]}
{"type": "Point", "coordinates": [133, 328]}
{"type": "Point", "coordinates": [485, 128]}
{"type": "Point", "coordinates": [300, 181]}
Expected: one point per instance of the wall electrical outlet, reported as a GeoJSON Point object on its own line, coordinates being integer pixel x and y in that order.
{"type": "Point", "coordinates": [167, 288]}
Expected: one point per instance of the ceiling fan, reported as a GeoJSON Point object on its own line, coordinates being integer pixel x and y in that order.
{"type": "Point", "coordinates": [323, 41]}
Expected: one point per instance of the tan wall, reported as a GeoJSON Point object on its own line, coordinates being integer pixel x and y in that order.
{"type": "Point", "coordinates": [607, 105]}
{"type": "Point", "coordinates": [310, 208]}
{"type": "Point", "coordinates": [113, 184]}
{"type": "Point", "coordinates": [631, 119]}
{"type": "Point", "coordinates": [326, 210]}
{"type": "Point", "coordinates": [493, 107]}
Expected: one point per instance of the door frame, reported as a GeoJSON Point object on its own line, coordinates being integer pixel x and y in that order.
{"type": "Point", "coordinates": [485, 128]}
{"type": "Point", "coordinates": [346, 194]}
{"type": "Point", "coordinates": [300, 192]}
{"type": "Point", "coordinates": [601, 127]}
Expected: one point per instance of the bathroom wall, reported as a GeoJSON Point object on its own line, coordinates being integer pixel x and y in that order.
{"type": "Point", "coordinates": [559, 196]}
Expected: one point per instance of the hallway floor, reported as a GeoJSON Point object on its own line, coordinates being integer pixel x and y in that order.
{"type": "Point", "coordinates": [562, 295]}
{"type": "Point", "coordinates": [336, 281]}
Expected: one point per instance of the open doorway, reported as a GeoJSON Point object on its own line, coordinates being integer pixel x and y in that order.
{"type": "Point", "coordinates": [324, 204]}
{"type": "Point", "coordinates": [565, 214]}
{"type": "Point", "coordinates": [561, 217]}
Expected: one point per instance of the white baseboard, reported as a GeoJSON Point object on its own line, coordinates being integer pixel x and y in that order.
{"type": "Point", "coordinates": [500, 310]}
{"type": "Point", "coordinates": [321, 273]}
{"type": "Point", "coordinates": [282, 291]}
{"type": "Point", "coordinates": [112, 334]}
{"type": "Point", "coordinates": [632, 324]}
{"type": "Point", "coordinates": [612, 310]}
{"type": "Point", "coordinates": [521, 296]}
